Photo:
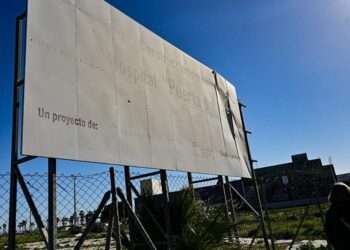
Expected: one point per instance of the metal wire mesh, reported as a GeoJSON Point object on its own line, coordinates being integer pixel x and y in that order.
{"type": "Point", "coordinates": [78, 196]}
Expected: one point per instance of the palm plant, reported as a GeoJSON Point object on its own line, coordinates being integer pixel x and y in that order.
{"type": "Point", "coordinates": [20, 225]}
{"type": "Point", "coordinates": [88, 217]}
{"type": "Point", "coordinates": [24, 224]}
{"type": "Point", "coordinates": [73, 219]}
{"type": "Point", "coordinates": [31, 226]}
{"type": "Point", "coordinates": [82, 217]}
{"type": "Point", "coordinates": [203, 226]}
{"type": "Point", "coordinates": [212, 231]}
{"type": "Point", "coordinates": [64, 221]}
{"type": "Point", "coordinates": [195, 225]}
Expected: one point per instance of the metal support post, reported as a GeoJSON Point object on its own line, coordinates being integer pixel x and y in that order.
{"type": "Point", "coordinates": [221, 184]}
{"type": "Point", "coordinates": [232, 206]}
{"type": "Point", "coordinates": [322, 220]}
{"type": "Point", "coordinates": [190, 183]}
{"type": "Point", "coordinates": [129, 199]}
{"type": "Point", "coordinates": [110, 230]}
{"type": "Point", "coordinates": [267, 215]}
{"type": "Point", "coordinates": [256, 189]}
{"type": "Point", "coordinates": [260, 211]}
{"type": "Point", "coordinates": [74, 200]}
{"type": "Point", "coordinates": [52, 227]}
{"type": "Point", "coordinates": [243, 188]}
{"type": "Point", "coordinates": [190, 180]}
{"type": "Point", "coordinates": [166, 200]}
{"type": "Point", "coordinates": [15, 122]}
{"type": "Point", "coordinates": [115, 210]}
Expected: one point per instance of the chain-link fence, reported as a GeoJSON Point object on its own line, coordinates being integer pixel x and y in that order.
{"type": "Point", "coordinates": [78, 196]}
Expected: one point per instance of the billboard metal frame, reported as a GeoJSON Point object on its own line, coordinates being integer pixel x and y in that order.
{"type": "Point", "coordinates": [50, 235]}
{"type": "Point", "coordinates": [255, 184]}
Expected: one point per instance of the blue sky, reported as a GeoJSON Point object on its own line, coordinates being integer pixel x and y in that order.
{"type": "Point", "coordinates": [290, 62]}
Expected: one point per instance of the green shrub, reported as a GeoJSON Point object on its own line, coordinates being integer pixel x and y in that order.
{"type": "Point", "coordinates": [97, 228]}
{"type": "Point", "coordinates": [292, 217]}
{"type": "Point", "coordinates": [75, 230]}
{"type": "Point", "coordinates": [309, 246]}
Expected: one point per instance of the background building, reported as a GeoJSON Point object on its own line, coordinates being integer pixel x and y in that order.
{"type": "Point", "coordinates": [283, 185]}
{"type": "Point", "coordinates": [293, 183]}
{"type": "Point", "coordinates": [344, 178]}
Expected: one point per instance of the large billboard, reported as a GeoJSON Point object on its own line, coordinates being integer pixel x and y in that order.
{"type": "Point", "coordinates": [100, 87]}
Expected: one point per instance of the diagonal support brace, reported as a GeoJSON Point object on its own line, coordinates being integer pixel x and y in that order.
{"type": "Point", "coordinates": [136, 220]}
{"type": "Point", "coordinates": [93, 220]}
{"type": "Point", "coordinates": [32, 206]}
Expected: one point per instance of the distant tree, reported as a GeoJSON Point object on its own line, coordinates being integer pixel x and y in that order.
{"type": "Point", "coordinates": [64, 221]}
{"type": "Point", "coordinates": [82, 217]}
{"type": "Point", "coordinates": [88, 217]}
{"type": "Point", "coordinates": [31, 225]}
{"type": "Point", "coordinates": [4, 228]}
{"type": "Point", "coordinates": [20, 225]}
{"type": "Point", "coordinates": [24, 223]}
{"type": "Point", "coordinates": [73, 219]}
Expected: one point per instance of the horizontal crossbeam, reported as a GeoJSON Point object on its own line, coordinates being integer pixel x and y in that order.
{"type": "Point", "coordinates": [144, 175]}
{"type": "Point", "coordinates": [25, 159]}
{"type": "Point", "coordinates": [204, 180]}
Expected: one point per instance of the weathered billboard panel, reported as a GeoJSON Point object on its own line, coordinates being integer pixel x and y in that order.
{"type": "Point", "coordinates": [100, 87]}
